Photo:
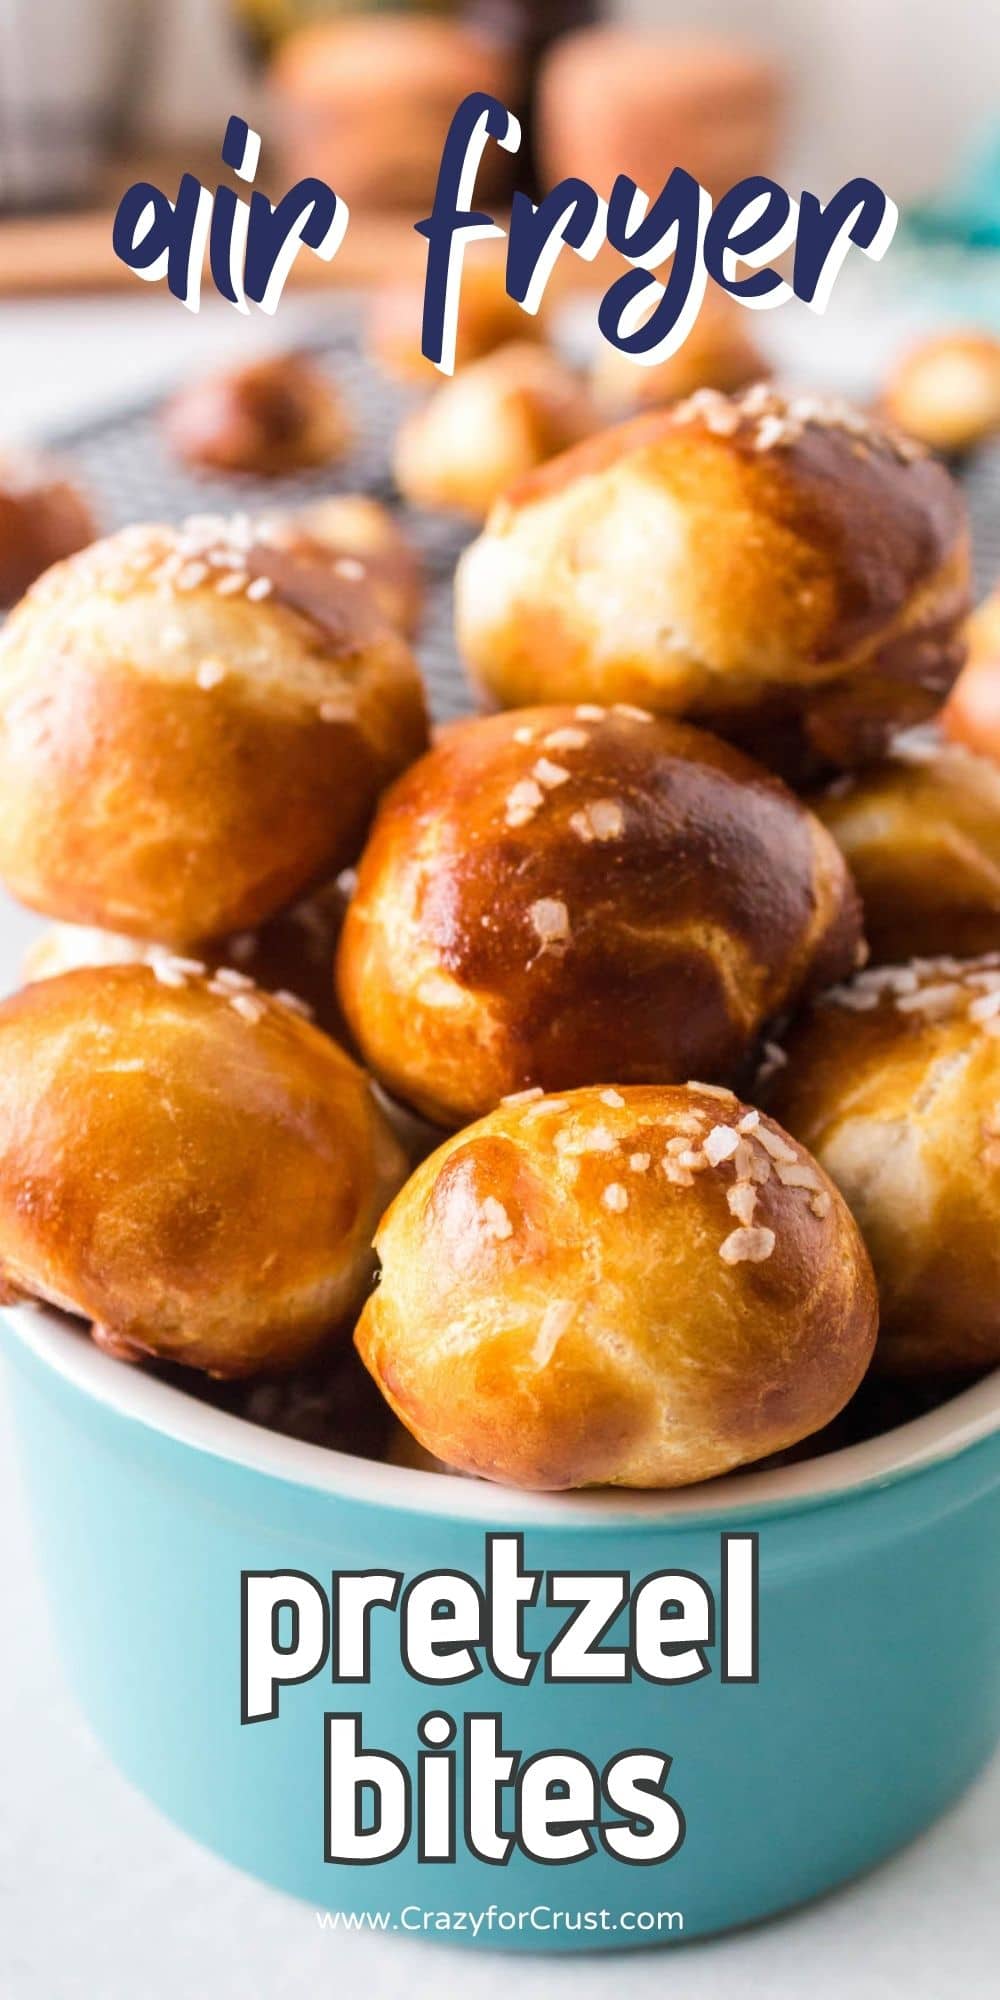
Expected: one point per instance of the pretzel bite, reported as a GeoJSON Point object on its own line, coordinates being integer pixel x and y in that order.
{"type": "Point", "coordinates": [717, 354]}
{"type": "Point", "coordinates": [487, 426]}
{"type": "Point", "coordinates": [921, 835]}
{"type": "Point", "coordinates": [487, 319]}
{"type": "Point", "coordinates": [558, 895]}
{"type": "Point", "coordinates": [367, 545]}
{"type": "Point", "coordinates": [43, 517]}
{"type": "Point", "coordinates": [776, 568]}
{"type": "Point", "coordinates": [946, 391]}
{"type": "Point", "coordinates": [187, 1164]}
{"type": "Point", "coordinates": [194, 728]}
{"type": "Point", "coordinates": [277, 415]}
{"type": "Point", "coordinates": [894, 1083]}
{"type": "Point", "coordinates": [972, 715]}
{"type": "Point", "coordinates": [637, 1287]}
{"type": "Point", "coordinates": [290, 956]}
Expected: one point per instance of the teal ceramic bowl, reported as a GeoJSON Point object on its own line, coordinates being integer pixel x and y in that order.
{"type": "Point", "coordinates": [878, 1696]}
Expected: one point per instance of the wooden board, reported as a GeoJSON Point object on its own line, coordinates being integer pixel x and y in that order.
{"type": "Point", "coordinates": [73, 253]}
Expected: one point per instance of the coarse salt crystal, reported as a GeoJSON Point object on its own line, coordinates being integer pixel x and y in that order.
{"type": "Point", "coordinates": [749, 1122]}
{"type": "Point", "coordinates": [615, 1197]}
{"type": "Point", "coordinates": [747, 1246]}
{"type": "Point", "coordinates": [741, 1200]}
{"type": "Point", "coordinates": [495, 1220]}
{"type": "Point", "coordinates": [720, 1144]}
{"type": "Point", "coordinates": [633, 714]}
{"type": "Point", "coordinates": [556, 1318]}
{"type": "Point", "coordinates": [245, 1005]}
{"type": "Point", "coordinates": [589, 712]}
{"type": "Point", "coordinates": [522, 802]}
{"type": "Point", "coordinates": [774, 1144]}
{"type": "Point", "coordinates": [614, 1098]}
{"type": "Point", "coordinates": [821, 1204]}
{"type": "Point", "coordinates": [985, 1008]}
{"type": "Point", "coordinates": [523, 734]}
{"type": "Point", "coordinates": [529, 1096]}
{"type": "Point", "coordinates": [548, 774]}
{"type": "Point", "coordinates": [260, 587]}
{"type": "Point", "coordinates": [938, 1000]}
{"type": "Point", "coordinates": [714, 1090]}
{"type": "Point", "coordinates": [228, 585]}
{"type": "Point", "coordinates": [602, 819]}
{"type": "Point", "coordinates": [210, 673]}
{"type": "Point", "coordinates": [168, 972]}
{"type": "Point", "coordinates": [639, 1162]}
{"type": "Point", "coordinates": [855, 999]}
{"type": "Point", "coordinates": [233, 981]}
{"type": "Point", "coordinates": [294, 1003]}
{"type": "Point", "coordinates": [774, 1059]}
{"type": "Point", "coordinates": [349, 567]}
{"type": "Point", "coordinates": [801, 1175]}
{"type": "Point", "coordinates": [549, 919]}
{"type": "Point", "coordinates": [565, 739]}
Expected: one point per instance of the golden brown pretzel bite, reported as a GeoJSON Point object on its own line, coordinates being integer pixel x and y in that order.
{"type": "Point", "coordinates": [279, 414]}
{"type": "Point", "coordinates": [558, 895]}
{"type": "Point", "coordinates": [488, 426]}
{"type": "Point", "coordinates": [43, 517]}
{"type": "Point", "coordinates": [778, 569]}
{"type": "Point", "coordinates": [921, 835]}
{"type": "Point", "coordinates": [638, 1287]}
{"type": "Point", "coordinates": [194, 728]}
{"type": "Point", "coordinates": [946, 390]}
{"type": "Point", "coordinates": [188, 1164]}
{"type": "Point", "coordinates": [895, 1085]}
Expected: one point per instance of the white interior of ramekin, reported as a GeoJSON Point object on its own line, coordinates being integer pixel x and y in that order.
{"type": "Point", "coordinates": [146, 1399]}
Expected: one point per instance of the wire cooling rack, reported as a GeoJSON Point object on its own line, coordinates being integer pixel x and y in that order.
{"type": "Point", "coordinates": [130, 474]}
{"type": "Point", "coordinates": [128, 470]}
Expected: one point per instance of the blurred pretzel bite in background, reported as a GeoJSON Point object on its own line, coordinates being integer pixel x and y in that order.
{"type": "Point", "coordinates": [487, 318]}
{"type": "Point", "coordinates": [290, 956]}
{"type": "Point", "coordinates": [488, 426]}
{"type": "Point", "coordinates": [972, 715]}
{"type": "Point", "coordinates": [639, 1287]}
{"type": "Point", "coordinates": [894, 1083]}
{"type": "Point", "coordinates": [43, 517]}
{"type": "Point", "coordinates": [366, 545]}
{"type": "Point", "coordinates": [191, 1167]}
{"type": "Point", "coordinates": [776, 568]}
{"type": "Point", "coordinates": [921, 835]}
{"type": "Point", "coordinates": [276, 415]}
{"type": "Point", "coordinates": [364, 102]}
{"type": "Point", "coordinates": [559, 895]}
{"type": "Point", "coordinates": [719, 353]}
{"type": "Point", "coordinates": [622, 99]}
{"type": "Point", "coordinates": [946, 391]}
{"type": "Point", "coordinates": [195, 725]}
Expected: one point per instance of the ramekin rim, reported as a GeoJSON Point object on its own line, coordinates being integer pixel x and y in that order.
{"type": "Point", "coordinates": [942, 1433]}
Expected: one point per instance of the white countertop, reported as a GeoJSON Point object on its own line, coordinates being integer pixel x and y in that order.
{"type": "Point", "coordinates": [101, 1899]}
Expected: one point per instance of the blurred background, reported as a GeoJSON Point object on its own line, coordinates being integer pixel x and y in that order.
{"type": "Point", "coordinates": [904, 90]}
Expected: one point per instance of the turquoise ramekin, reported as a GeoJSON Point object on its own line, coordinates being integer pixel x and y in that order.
{"type": "Point", "coordinates": [879, 1687]}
